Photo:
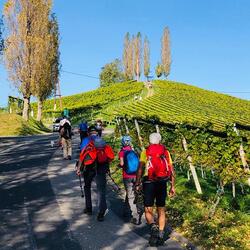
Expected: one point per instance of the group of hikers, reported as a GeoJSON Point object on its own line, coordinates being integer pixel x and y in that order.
{"type": "Point", "coordinates": [145, 175]}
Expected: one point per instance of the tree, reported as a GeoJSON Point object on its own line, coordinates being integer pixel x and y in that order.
{"type": "Point", "coordinates": [26, 22]}
{"type": "Point", "coordinates": [126, 55]}
{"type": "Point", "coordinates": [146, 52]}
{"type": "Point", "coordinates": [165, 52]}
{"type": "Point", "coordinates": [158, 70]}
{"type": "Point", "coordinates": [111, 73]}
{"type": "Point", "coordinates": [48, 67]}
{"type": "Point", "coordinates": [137, 56]}
{"type": "Point", "coordinates": [131, 59]}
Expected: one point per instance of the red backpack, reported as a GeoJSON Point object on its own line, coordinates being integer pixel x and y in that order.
{"type": "Point", "coordinates": [88, 154]}
{"type": "Point", "coordinates": [105, 154]}
{"type": "Point", "coordinates": [158, 165]}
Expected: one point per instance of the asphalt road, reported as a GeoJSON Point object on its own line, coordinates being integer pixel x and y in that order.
{"type": "Point", "coordinates": [41, 207]}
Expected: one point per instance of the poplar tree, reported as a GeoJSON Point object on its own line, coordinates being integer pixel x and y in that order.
{"type": "Point", "coordinates": [146, 55]}
{"type": "Point", "coordinates": [165, 52]}
{"type": "Point", "coordinates": [47, 65]}
{"type": "Point", "coordinates": [131, 58]}
{"type": "Point", "coordinates": [126, 55]}
{"type": "Point", "coordinates": [137, 56]}
{"type": "Point", "coordinates": [26, 25]}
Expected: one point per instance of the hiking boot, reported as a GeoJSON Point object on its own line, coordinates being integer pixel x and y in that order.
{"type": "Point", "coordinates": [133, 221]}
{"type": "Point", "coordinates": [153, 240]}
{"type": "Point", "coordinates": [87, 211]}
{"type": "Point", "coordinates": [160, 241]}
{"type": "Point", "coordinates": [69, 157]}
{"type": "Point", "coordinates": [101, 215]}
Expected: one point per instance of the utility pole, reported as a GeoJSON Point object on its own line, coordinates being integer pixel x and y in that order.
{"type": "Point", "coordinates": [57, 93]}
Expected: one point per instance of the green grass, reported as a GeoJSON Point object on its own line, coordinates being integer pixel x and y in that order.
{"type": "Point", "coordinates": [14, 125]}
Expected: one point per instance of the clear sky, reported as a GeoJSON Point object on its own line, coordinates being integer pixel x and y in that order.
{"type": "Point", "coordinates": [210, 41]}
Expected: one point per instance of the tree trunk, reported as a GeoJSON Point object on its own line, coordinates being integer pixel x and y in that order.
{"type": "Point", "coordinates": [39, 110]}
{"type": "Point", "coordinates": [192, 167]}
{"type": "Point", "coordinates": [26, 107]}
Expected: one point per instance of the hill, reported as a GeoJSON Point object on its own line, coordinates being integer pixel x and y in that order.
{"type": "Point", "coordinates": [174, 102]}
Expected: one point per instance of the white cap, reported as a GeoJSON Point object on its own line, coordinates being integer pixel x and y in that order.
{"type": "Point", "coordinates": [155, 138]}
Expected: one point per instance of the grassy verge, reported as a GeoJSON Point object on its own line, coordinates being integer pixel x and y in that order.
{"type": "Point", "coordinates": [14, 125]}
{"type": "Point", "coordinates": [188, 212]}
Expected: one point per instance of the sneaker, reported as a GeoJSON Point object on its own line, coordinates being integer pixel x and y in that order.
{"type": "Point", "coordinates": [87, 211]}
{"type": "Point", "coordinates": [153, 240]}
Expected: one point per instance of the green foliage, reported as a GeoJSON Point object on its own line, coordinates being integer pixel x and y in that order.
{"type": "Point", "coordinates": [159, 70]}
{"type": "Point", "coordinates": [112, 73]}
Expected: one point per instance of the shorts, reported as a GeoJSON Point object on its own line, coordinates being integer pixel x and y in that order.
{"type": "Point", "coordinates": [155, 191]}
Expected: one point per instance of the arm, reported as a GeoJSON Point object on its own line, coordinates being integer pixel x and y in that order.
{"type": "Point", "coordinates": [139, 173]}
{"type": "Point", "coordinates": [172, 177]}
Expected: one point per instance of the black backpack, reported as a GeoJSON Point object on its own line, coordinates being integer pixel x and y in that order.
{"type": "Point", "coordinates": [65, 131]}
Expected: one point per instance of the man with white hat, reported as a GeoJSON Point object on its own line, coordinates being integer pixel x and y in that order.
{"type": "Point", "coordinates": [157, 164]}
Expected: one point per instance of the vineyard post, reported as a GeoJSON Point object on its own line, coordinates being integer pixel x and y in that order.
{"type": "Point", "coordinates": [118, 125]}
{"type": "Point", "coordinates": [138, 133]}
{"type": "Point", "coordinates": [242, 154]}
{"type": "Point", "coordinates": [233, 189]}
{"type": "Point", "coordinates": [126, 126]}
{"type": "Point", "coordinates": [157, 128]}
{"type": "Point", "coordinates": [192, 167]}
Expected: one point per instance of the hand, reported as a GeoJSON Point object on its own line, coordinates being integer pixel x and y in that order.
{"type": "Point", "coordinates": [78, 172]}
{"type": "Point", "coordinates": [172, 191]}
{"type": "Point", "coordinates": [138, 187]}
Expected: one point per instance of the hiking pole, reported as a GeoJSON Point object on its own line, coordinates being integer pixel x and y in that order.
{"type": "Point", "coordinates": [80, 182]}
{"type": "Point", "coordinates": [112, 179]}
{"type": "Point", "coordinates": [80, 179]}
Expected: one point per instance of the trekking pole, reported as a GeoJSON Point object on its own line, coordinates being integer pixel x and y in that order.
{"type": "Point", "coordinates": [112, 179]}
{"type": "Point", "coordinates": [80, 182]}
{"type": "Point", "coordinates": [80, 179]}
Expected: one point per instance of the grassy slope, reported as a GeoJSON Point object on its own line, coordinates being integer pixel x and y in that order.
{"type": "Point", "coordinates": [12, 124]}
{"type": "Point", "coordinates": [176, 102]}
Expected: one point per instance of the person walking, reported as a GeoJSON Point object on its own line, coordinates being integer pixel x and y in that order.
{"type": "Point", "coordinates": [128, 157]}
{"type": "Point", "coordinates": [97, 169]}
{"type": "Point", "coordinates": [65, 132]}
{"type": "Point", "coordinates": [83, 130]}
{"type": "Point", "coordinates": [156, 162]}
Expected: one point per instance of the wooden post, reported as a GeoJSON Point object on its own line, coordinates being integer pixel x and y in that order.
{"type": "Point", "coordinates": [139, 134]}
{"type": "Point", "coordinates": [157, 128]}
{"type": "Point", "coordinates": [126, 126]}
{"type": "Point", "coordinates": [233, 189]}
{"type": "Point", "coordinates": [242, 155]}
{"type": "Point", "coordinates": [192, 167]}
{"type": "Point", "coordinates": [118, 126]}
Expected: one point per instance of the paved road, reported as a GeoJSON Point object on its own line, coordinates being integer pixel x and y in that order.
{"type": "Point", "coordinates": [41, 207]}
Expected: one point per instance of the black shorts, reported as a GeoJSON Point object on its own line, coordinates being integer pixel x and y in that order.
{"type": "Point", "coordinates": [155, 191]}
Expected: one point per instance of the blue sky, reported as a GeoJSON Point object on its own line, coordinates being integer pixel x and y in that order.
{"type": "Point", "coordinates": [210, 41]}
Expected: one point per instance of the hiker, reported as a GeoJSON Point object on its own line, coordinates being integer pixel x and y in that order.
{"type": "Point", "coordinates": [66, 134]}
{"type": "Point", "coordinates": [99, 127]}
{"type": "Point", "coordinates": [94, 163]}
{"type": "Point", "coordinates": [157, 164]}
{"type": "Point", "coordinates": [83, 130]}
{"type": "Point", "coordinates": [129, 159]}
{"type": "Point", "coordinates": [91, 135]}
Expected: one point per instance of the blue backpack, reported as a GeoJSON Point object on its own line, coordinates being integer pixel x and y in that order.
{"type": "Point", "coordinates": [131, 161]}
